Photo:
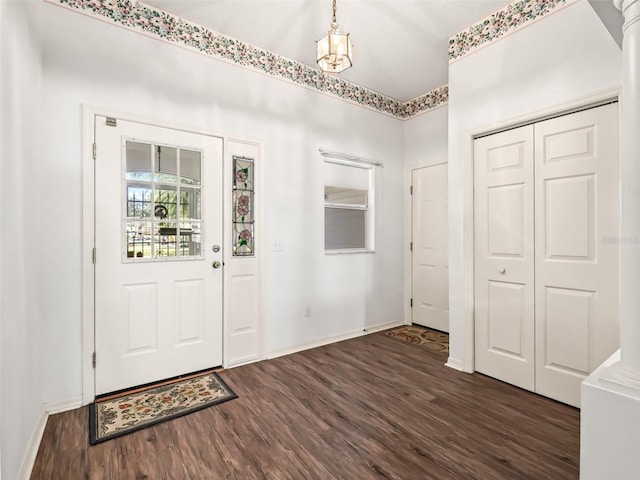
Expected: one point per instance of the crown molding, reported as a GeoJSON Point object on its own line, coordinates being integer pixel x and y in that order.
{"type": "Point", "coordinates": [510, 18]}
{"type": "Point", "coordinates": [139, 17]}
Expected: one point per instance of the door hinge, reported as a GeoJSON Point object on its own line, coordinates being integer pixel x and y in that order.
{"type": "Point", "coordinates": [112, 122]}
{"type": "Point", "coordinates": [411, 302]}
{"type": "Point", "coordinates": [93, 359]}
{"type": "Point", "coordinates": [411, 190]}
{"type": "Point", "coordinates": [411, 246]}
{"type": "Point", "coordinates": [93, 255]}
{"type": "Point", "coordinates": [95, 151]}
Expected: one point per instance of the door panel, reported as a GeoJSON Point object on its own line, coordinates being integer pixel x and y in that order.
{"type": "Point", "coordinates": [546, 209]}
{"type": "Point", "coordinates": [158, 214]}
{"type": "Point", "coordinates": [504, 263]}
{"type": "Point", "coordinates": [576, 170]}
{"type": "Point", "coordinates": [430, 262]}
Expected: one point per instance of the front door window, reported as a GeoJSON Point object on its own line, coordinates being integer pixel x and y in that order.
{"type": "Point", "coordinates": [162, 188]}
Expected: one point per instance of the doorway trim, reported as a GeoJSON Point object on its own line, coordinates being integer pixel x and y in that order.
{"type": "Point", "coordinates": [229, 144]}
{"type": "Point", "coordinates": [466, 334]}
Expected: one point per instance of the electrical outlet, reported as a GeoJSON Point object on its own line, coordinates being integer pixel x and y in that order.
{"type": "Point", "coordinates": [277, 246]}
{"type": "Point", "coordinates": [307, 310]}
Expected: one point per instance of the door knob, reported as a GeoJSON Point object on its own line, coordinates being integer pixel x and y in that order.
{"type": "Point", "coordinates": [501, 270]}
{"type": "Point", "coordinates": [216, 264]}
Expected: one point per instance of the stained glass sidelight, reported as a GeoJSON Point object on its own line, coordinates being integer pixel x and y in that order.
{"type": "Point", "coordinates": [243, 207]}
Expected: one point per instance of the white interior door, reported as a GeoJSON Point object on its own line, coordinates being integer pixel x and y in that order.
{"type": "Point", "coordinates": [430, 257]}
{"type": "Point", "coordinates": [158, 215]}
{"type": "Point", "coordinates": [577, 225]}
{"type": "Point", "coordinates": [504, 261]}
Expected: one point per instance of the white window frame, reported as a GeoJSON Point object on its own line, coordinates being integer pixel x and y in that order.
{"type": "Point", "coordinates": [369, 208]}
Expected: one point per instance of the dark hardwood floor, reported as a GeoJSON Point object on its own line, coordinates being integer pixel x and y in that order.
{"type": "Point", "coordinates": [369, 408]}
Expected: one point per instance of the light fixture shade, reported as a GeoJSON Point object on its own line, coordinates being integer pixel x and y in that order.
{"type": "Point", "coordinates": [334, 53]}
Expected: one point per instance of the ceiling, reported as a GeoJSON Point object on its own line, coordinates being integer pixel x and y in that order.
{"type": "Point", "coordinates": [400, 46]}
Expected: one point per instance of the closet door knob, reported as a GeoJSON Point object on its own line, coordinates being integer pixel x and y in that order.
{"type": "Point", "coordinates": [501, 270]}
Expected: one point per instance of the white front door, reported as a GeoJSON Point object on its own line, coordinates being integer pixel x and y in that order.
{"type": "Point", "coordinates": [158, 220]}
{"type": "Point", "coordinates": [504, 262]}
{"type": "Point", "coordinates": [430, 259]}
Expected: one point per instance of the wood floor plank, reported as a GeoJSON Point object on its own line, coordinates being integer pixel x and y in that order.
{"type": "Point", "coordinates": [370, 408]}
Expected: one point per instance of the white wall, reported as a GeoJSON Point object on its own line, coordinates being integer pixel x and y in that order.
{"type": "Point", "coordinates": [564, 58]}
{"type": "Point", "coordinates": [425, 138]}
{"type": "Point", "coordinates": [91, 62]}
{"type": "Point", "coordinates": [23, 241]}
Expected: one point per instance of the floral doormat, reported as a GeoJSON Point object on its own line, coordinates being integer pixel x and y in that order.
{"type": "Point", "coordinates": [425, 337]}
{"type": "Point", "coordinates": [114, 416]}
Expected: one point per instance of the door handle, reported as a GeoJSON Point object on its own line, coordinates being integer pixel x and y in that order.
{"type": "Point", "coordinates": [502, 270]}
{"type": "Point", "coordinates": [216, 264]}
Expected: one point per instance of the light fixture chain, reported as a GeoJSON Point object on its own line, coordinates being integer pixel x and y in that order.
{"type": "Point", "coordinates": [334, 11]}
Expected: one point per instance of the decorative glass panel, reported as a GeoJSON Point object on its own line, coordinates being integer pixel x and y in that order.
{"type": "Point", "coordinates": [243, 207]}
{"type": "Point", "coordinates": [171, 209]}
{"type": "Point", "coordinates": [243, 239]}
{"type": "Point", "coordinates": [243, 173]}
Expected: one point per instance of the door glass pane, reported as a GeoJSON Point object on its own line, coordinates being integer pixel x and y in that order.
{"type": "Point", "coordinates": [190, 239]}
{"type": "Point", "coordinates": [165, 239]}
{"type": "Point", "coordinates": [138, 160]}
{"type": "Point", "coordinates": [190, 203]}
{"type": "Point", "coordinates": [138, 239]}
{"type": "Point", "coordinates": [166, 167]}
{"type": "Point", "coordinates": [165, 203]}
{"type": "Point", "coordinates": [139, 200]}
{"type": "Point", "coordinates": [190, 167]}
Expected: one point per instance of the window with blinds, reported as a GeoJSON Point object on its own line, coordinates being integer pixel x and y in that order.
{"type": "Point", "coordinates": [347, 206]}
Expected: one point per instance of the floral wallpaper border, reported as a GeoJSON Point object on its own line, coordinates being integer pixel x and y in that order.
{"type": "Point", "coordinates": [510, 18]}
{"type": "Point", "coordinates": [137, 16]}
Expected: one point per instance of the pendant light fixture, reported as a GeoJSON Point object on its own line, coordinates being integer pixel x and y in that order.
{"type": "Point", "coordinates": [334, 53]}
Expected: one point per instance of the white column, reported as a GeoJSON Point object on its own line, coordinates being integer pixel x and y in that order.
{"type": "Point", "coordinates": [628, 370]}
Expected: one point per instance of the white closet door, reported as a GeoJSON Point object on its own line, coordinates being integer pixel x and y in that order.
{"type": "Point", "coordinates": [577, 224]}
{"type": "Point", "coordinates": [504, 262]}
{"type": "Point", "coordinates": [430, 259]}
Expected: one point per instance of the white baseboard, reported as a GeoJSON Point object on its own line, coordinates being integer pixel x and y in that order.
{"type": "Point", "coordinates": [243, 361]}
{"type": "Point", "coordinates": [384, 326]}
{"type": "Point", "coordinates": [63, 406]}
{"type": "Point", "coordinates": [334, 339]}
{"type": "Point", "coordinates": [319, 343]}
{"type": "Point", "coordinates": [455, 363]}
{"type": "Point", "coordinates": [33, 445]}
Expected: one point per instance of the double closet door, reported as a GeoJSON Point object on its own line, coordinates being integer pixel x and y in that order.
{"type": "Point", "coordinates": [546, 215]}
